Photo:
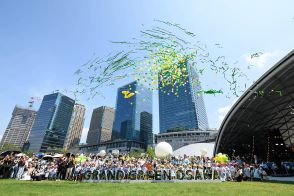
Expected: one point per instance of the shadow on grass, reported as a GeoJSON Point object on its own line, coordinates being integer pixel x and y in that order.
{"type": "Point", "coordinates": [278, 182]}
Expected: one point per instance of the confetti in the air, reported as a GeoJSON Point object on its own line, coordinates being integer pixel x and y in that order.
{"type": "Point", "coordinates": [256, 55]}
{"type": "Point", "coordinates": [166, 55]}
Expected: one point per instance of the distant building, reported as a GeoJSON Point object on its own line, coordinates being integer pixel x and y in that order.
{"type": "Point", "coordinates": [133, 115]}
{"type": "Point", "coordinates": [146, 128]}
{"type": "Point", "coordinates": [184, 111]}
{"type": "Point", "coordinates": [76, 127]}
{"type": "Point", "coordinates": [175, 139]}
{"type": "Point", "coordinates": [124, 146]}
{"type": "Point", "coordinates": [184, 138]}
{"type": "Point", "coordinates": [19, 127]}
{"type": "Point", "coordinates": [51, 124]}
{"type": "Point", "coordinates": [101, 125]}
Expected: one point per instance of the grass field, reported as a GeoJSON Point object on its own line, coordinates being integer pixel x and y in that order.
{"type": "Point", "coordinates": [21, 188]}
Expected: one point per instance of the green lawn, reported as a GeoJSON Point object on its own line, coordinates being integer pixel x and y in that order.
{"type": "Point", "coordinates": [21, 188]}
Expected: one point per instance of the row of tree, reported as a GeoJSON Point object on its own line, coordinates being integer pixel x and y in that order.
{"type": "Point", "coordinates": [11, 147]}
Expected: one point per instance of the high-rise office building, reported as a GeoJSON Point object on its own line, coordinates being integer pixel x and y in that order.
{"type": "Point", "coordinates": [52, 123]}
{"type": "Point", "coordinates": [101, 125]}
{"type": "Point", "coordinates": [133, 115]}
{"type": "Point", "coordinates": [146, 128]}
{"type": "Point", "coordinates": [76, 126]}
{"type": "Point", "coordinates": [19, 127]}
{"type": "Point", "coordinates": [184, 111]}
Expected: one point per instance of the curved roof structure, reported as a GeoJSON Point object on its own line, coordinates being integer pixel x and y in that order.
{"type": "Point", "coordinates": [261, 122]}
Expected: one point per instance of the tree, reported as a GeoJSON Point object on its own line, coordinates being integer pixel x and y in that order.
{"type": "Point", "coordinates": [10, 147]}
{"type": "Point", "coordinates": [135, 154]}
{"type": "Point", "coordinates": [53, 149]}
{"type": "Point", "coordinates": [28, 153]}
{"type": "Point", "coordinates": [150, 152]}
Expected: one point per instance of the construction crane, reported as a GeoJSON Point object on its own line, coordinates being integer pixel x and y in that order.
{"type": "Point", "coordinates": [55, 91]}
{"type": "Point", "coordinates": [33, 100]}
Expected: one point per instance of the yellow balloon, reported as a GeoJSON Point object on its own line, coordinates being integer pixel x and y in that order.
{"type": "Point", "coordinates": [125, 92]}
{"type": "Point", "coordinates": [130, 95]}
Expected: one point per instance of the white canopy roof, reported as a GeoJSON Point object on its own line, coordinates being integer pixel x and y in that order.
{"type": "Point", "coordinates": [195, 150]}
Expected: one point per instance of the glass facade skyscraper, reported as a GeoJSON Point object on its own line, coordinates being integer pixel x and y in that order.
{"type": "Point", "coordinates": [52, 123]}
{"type": "Point", "coordinates": [146, 128]}
{"type": "Point", "coordinates": [133, 115]}
{"type": "Point", "coordinates": [184, 111]}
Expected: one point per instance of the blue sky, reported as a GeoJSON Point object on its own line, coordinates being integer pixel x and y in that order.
{"type": "Point", "coordinates": [42, 43]}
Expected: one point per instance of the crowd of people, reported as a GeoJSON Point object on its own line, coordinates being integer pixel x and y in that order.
{"type": "Point", "coordinates": [73, 167]}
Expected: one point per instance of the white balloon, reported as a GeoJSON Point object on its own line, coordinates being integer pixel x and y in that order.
{"type": "Point", "coordinates": [102, 153]}
{"type": "Point", "coordinates": [163, 149]}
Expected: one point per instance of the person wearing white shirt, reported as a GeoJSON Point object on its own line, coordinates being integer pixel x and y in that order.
{"type": "Point", "coordinates": [256, 174]}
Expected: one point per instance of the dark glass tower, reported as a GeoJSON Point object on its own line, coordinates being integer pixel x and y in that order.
{"type": "Point", "coordinates": [133, 116]}
{"type": "Point", "coordinates": [51, 124]}
{"type": "Point", "coordinates": [185, 111]}
{"type": "Point", "coordinates": [146, 128]}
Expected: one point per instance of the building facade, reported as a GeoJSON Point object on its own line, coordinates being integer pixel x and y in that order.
{"type": "Point", "coordinates": [184, 111]}
{"type": "Point", "coordinates": [146, 128]}
{"type": "Point", "coordinates": [19, 127]}
{"type": "Point", "coordinates": [133, 115]}
{"type": "Point", "coordinates": [52, 123]}
{"type": "Point", "coordinates": [76, 127]}
{"type": "Point", "coordinates": [101, 125]}
{"type": "Point", "coordinates": [183, 138]}
{"type": "Point", "coordinates": [124, 146]}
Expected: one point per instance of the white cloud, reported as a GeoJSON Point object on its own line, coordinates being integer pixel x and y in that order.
{"type": "Point", "coordinates": [262, 60]}
{"type": "Point", "coordinates": [1, 135]}
{"type": "Point", "coordinates": [222, 112]}
{"type": "Point", "coordinates": [84, 135]}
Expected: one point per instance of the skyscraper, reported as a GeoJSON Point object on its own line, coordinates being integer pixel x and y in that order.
{"type": "Point", "coordinates": [101, 125]}
{"type": "Point", "coordinates": [52, 123]}
{"type": "Point", "coordinates": [146, 128]}
{"type": "Point", "coordinates": [184, 111]}
{"type": "Point", "coordinates": [133, 116]}
{"type": "Point", "coordinates": [76, 126]}
{"type": "Point", "coordinates": [19, 127]}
